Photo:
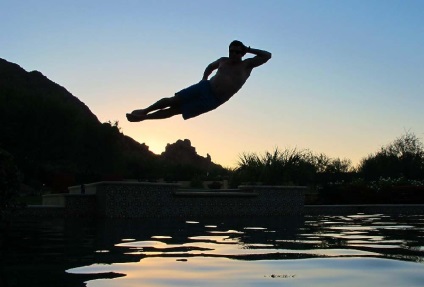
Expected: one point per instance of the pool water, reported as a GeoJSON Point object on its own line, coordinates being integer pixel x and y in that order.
{"type": "Point", "coordinates": [349, 250]}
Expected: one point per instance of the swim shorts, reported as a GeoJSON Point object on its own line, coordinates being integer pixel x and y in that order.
{"type": "Point", "coordinates": [197, 99]}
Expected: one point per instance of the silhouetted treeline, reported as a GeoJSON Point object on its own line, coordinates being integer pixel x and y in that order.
{"type": "Point", "coordinates": [290, 167]}
{"type": "Point", "coordinates": [404, 157]}
{"type": "Point", "coordinates": [394, 174]}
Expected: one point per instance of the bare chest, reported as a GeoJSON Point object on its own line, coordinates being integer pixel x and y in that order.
{"type": "Point", "coordinates": [233, 70]}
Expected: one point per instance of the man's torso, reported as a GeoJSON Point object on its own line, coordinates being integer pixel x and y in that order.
{"type": "Point", "coordinates": [229, 78]}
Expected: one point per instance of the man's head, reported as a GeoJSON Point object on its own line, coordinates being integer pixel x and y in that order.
{"type": "Point", "coordinates": [237, 50]}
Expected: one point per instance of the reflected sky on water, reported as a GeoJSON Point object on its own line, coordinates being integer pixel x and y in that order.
{"type": "Point", "coordinates": [348, 250]}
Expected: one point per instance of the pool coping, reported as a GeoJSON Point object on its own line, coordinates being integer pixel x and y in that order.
{"type": "Point", "coordinates": [40, 211]}
{"type": "Point", "coordinates": [364, 208]}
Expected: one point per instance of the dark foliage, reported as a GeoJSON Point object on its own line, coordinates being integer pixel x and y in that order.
{"type": "Point", "coordinates": [9, 182]}
{"type": "Point", "coordinates": [289, 167]}
{"type": "Point", "coordinates": [404, 157]}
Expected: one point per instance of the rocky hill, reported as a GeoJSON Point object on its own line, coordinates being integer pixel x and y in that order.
{"type": "Point", "coordinates": [182, 152]}
{"type": "Point", "coordinates": [52, 134]}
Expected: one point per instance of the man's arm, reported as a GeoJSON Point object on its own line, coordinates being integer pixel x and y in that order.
{"type": "Point", "coordinates": [210, 68]}
{"type": "Point", "coordinates": [261, 57]}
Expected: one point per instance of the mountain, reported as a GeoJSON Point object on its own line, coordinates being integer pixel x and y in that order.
{"type": "Point", "coordinates": [53, 136]}
{"type": "Point", "coordinates": [182, 152]}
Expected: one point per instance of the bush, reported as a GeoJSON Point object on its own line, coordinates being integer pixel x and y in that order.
{"type": "Point", "coordinates": [404, 157]}
{"type": "Point", "coordinates": [287, 167]}
{"type": "Point", "coordinates": [9, 182]}
{"type": "Point", "coordinates": [290, 167]}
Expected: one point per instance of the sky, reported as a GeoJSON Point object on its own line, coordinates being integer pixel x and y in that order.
{"type": "Point", "coordinates": [345, 78]}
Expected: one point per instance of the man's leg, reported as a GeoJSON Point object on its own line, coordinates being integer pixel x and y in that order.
{"type": "Point", "coordinates": [163, 114]}
{"type": "Point", "coordinates": [165, 108]}
{"type": "Point", "coordinates": [157, 115]}
{"type": "Point", "coordinates": [162, 109]}
{"type": "Point", "coordinates": [159, 105]}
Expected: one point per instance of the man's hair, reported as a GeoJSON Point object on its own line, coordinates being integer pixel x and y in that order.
{"type": "Point", "coordinates": [237, 43]}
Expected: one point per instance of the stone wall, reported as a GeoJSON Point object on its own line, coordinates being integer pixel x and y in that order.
{"type": "Point", "coordinates": [134, 199]}
{"type": "Point", "coordinates": [166, 200]}
{"type": "Point", "coordinates": [80, 205]}
{"type": "Point", "coordinates": [364, 208]}
{"type": "Point", "coordinates": [128, 199]}
{"type": "Point", "coordinates": [142, 199]}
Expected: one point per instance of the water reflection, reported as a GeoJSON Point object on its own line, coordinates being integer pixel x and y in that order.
{"type": "Point", "coordinates": [215, 251]}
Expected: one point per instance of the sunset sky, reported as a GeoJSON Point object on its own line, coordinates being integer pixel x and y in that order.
{"type": "Point", "coordinates": [346, 77]}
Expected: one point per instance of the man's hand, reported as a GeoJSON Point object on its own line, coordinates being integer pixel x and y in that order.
{"type": "Point", "coordinates": [246, 49]}
{"type": "Point", "coordinates": [261, 57]}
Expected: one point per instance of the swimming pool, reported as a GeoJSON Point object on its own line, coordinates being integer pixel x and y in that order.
{"type": "Point", "coordinates": [343, 250]}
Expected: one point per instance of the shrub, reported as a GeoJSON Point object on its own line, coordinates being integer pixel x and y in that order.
{"type": "Point", "coordinates": [9, 182]}
{"type": "Point", "coordinates": [404, 157]}
{"type": "Point", "coordinates": [280, 167]}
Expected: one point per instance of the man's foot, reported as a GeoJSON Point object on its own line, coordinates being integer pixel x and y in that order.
{"type": "Point", "coordinates": [139, 112]}
{"type": "Point", "coordinates": [136, 117]}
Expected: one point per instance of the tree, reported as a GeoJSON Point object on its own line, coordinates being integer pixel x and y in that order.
{"type": "Point", "coordinates": [404, 157]}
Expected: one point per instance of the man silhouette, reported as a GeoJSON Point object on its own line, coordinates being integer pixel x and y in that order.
{"type": "Point", "coordinates": [232, 73]}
